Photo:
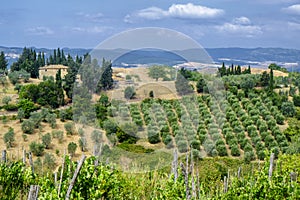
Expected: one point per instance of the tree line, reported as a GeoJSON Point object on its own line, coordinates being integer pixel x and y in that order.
{"type": "Point", "coordinates": [233, 70]}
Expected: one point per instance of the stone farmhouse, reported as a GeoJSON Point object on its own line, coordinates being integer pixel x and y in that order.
{"type": "Point", "coordinates": [51, 70]}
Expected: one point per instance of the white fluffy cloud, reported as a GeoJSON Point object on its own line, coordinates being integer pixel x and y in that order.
{"type": "Point", "coordinates": [193, 11]}
{"type": "Point", "coordinates": [294, 26]}
{"type": "Point", "coordinates": [183, 11]}
{"type": "Point", "coordinates": [241, 26]}
{"type": "Point", "coordinates": [93, 30]}
{"type": "Point", "coordinates": [40, 30]}
{"type": "Point", "coordinates": [242, 21]}
{"type": "Point", "coordinates": [96, 17]}
{"type": "Point", "coordinates": [152, 13]}
{"type": "Point", "coordinates": [294, 9]}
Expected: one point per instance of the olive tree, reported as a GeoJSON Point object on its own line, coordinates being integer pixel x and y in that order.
{"type": "Point", "coordinates": [72, 146]}
{"type": "Point", "coordinates": [9, 137]}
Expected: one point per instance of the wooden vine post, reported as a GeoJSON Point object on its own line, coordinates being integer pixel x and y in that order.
{"type": "Point", "coordinates": [31, 162]}
{"type": "Point", "coordinates": [271, 165]}
{"type": "Point", "coordinates": [4, 156]}
{"type": "Point", "coordinates": [61, 173]}
{"type": "Point", "coordinates": [24, 156]}
{"type": "Point", "coordinates": [33, 192]}
{"type": "Point", "coordinates": [175, 165]}
{"type": "Point", "coordinates": [75, 177]}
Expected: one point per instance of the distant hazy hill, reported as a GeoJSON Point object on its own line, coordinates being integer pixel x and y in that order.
{"type": "Point", "coordinates": [289, 58]}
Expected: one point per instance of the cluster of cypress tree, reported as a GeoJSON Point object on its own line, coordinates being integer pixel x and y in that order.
{"type": "Point", "coordinates": [30, 61]}
{"type": "Point", "coordinates": [57, 58]}
{"type": "Point", "coordinates": [233, 70]}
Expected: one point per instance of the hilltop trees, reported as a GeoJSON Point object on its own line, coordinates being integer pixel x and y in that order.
{"type": "Point", "coordinates": [29, 61]}
{"type": "Point", "coordinates": [157, 72]}
{"type": "Point", "coordinates": [58, 58]}
{"type": "Point", "coordinates": [106, 81]}
{"type": "Point", "coordinates": [70, 77]}
{"type": "Point", "coordinates": [232, 70]}
{"type": "Point", "coordinates": [3, 62]}
{"type": "Point", "coordinates": [274, 66]}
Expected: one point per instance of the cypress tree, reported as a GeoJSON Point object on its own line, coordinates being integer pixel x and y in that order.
{"type": "Point", "coordinates": [271, 84]}
{"type": "Point", "coordinates": [239, 70]}
{"type": "Point", "coordinates": [58, 59]}
{"type": "Point", "coordinates": [54, 57]}
{"type": "Point", "coordinates": [3, 61]}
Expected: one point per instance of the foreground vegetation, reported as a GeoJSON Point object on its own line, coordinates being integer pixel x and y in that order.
{"type": "Point", "coordinates": [218, 178]}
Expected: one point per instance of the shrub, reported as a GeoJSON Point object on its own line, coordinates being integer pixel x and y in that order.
{"type": "Point", "coordinates": [82, 143]}
{"type": "Point", "coordinates": [268, 140]}
{"type": "Point", "coordinates": [279, 119]}
{"type": "Point", "coordinates": [27, 126]}
{"type": "Point", "coordinates": [222, 151]}
{"type": "Point", "coordinates": [9, 137]}
{"type": "Point", "coordinates": [288, 109]}
{"type": "Point", "coordinates": [20, 114]}
{"type": "Point", "coordinates": [37, 118]}
{"type": "Point", "coordinates": [256, 139]}
{"type": "Point", "coordinates": [51, 118]}
{"type": "Point", "coordinates": [167, 139]}
{"type": "Point", "coordinates": [62, 115]}
{"type": "Point", "coordinates": [235, 151]}
{"type": "Point", "coordinates": [36, 148]}
{"type": "Point", "coordinates": [182, 146]}
{"type": "Point", "coordinates": [96, 136]}
{"type": "Point", "coordinates": [6, 100]}
{"type": "Point", "coordinates": [70, 128]}
{"type": "Point", "coordinates": [244, 142]}
{"type": "Point", "coordinates": [209, 147]}
{"type": "Point", "coordinates": [24, 136]}
{"type": "Point", "coordinates": [46, 140]}
{"type": "Point", "coordinates": [72, 146]}
{"type": "Point", "coordinates": [248, 148]}
{"type": "Point", "coordinates": [27, 106]}
{"type": "Point", "coordinates": [125, 136]}
{"type": "Point", "coordinates": [134, 148]}
{"type": "Point", "coordinates": [232, 142]}
{"type": "Point", "coordinates": [271, 123]}
{"type": "Point", "coordinates": [153, 137]}
{"type": "Point", "coordinates": [216, 136]}
{"type": "Point", "coordinates": [195, 144]}
{"type": "Point", "coordinates": [58, 134]}
{"type": "Point", "coordinates": [249, 156]}
{"type": "Point", "coordinates": [129, 92]}
{"type": "Point", "coordinates": [261, 155]}
{"type": "Point", "coordinates": [229, 136]}
{"type": "Point", "coordinates": [219, 142]}
{"type": "Point", "coordinates": [81, 132]}
{"type": "Point", "coordinates": [49, 161]}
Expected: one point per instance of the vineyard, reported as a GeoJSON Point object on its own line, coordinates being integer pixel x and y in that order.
{"type": "Point", "coordinates": [91, 179]}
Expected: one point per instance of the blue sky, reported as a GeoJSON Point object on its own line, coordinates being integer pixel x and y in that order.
{"type": "Point", "coordinates": [213, 23]}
